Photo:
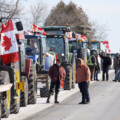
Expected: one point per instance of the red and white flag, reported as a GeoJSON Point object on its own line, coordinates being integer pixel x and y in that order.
{"type": "Point", "coordinates": [69, 35]}
{"type": "Point", "coordinates": [34, 28]}
{"type": "Point", "coordinates": [83, 37]}
{"type": "Point", "coordinates": [42, 31]}
{"type": "Point", "coordinates": [105, 42]}
{"type": "Point", "coordinates": [8, 46]}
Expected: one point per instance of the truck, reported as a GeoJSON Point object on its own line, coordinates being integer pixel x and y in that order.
{"type": "Point", "coordinates": [57, 41]}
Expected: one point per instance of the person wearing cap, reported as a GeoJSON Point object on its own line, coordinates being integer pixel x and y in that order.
{"type": "Point", "coordinates": [57, 73]}
{"type": "Point", "coordinates": [83, 77]}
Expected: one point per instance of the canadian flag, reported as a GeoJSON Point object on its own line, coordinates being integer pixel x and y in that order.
{"type": "Point", "coordinates": [8, 46]}
{"type": "Point", "coordinates": [69, 35]}
{"type": "Point", "coordinates": [35, 28]}
{"type": "Point", "coordinates": [42, 31]}
{"type": "Point", "coordinates": [105, 42]}
{"type": "Point", "coordinates": [107, 46]}
{"type": "Point", "coordinates": [83, 37]}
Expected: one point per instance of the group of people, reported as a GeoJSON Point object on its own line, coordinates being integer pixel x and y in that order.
{"type": "Point", "coordinates": [84, 74]}
{"type": "Point", "coordinates": [83, 77]}
{"type": "Point", "coordinates": [94, 65]}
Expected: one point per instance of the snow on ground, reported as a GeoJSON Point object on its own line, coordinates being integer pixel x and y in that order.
{"type": "Point", "coordinates": [41, 104]}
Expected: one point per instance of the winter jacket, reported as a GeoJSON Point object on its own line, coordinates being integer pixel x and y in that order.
{"type": "Point", "coordinates": [106, 62]}
{"type": "Point", "coordinates": [117, 63]}
{"type": "Point", "coordinates": [57, 73]}
{"type": "Point", "coordinates": [82, 73]}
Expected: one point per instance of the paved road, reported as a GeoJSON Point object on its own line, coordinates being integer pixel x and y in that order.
{"type": "Point", "coordinates": [105, 105]}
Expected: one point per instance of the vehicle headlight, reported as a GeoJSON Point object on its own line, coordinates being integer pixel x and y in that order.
{"type": "Point", "coordinates": [62, 55]}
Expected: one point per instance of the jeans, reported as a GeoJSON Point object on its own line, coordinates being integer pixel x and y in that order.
{"type": "Point", "coordinates": [55, 85]}
{"type": "Point", "coordinates": [106, 71]}
{"type": "Point", "coordinates": [83, 86]}
{"type": "Point", "coordinates": [117, 74]}
{"type": "Point", "coordinates": [96, 75]}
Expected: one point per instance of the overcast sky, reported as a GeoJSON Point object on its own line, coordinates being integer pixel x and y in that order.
{"type": "Point", "coordinates": [105, 12]}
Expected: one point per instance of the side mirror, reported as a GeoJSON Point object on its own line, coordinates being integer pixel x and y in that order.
{"type": "Point", "coordinates": [19, 26]}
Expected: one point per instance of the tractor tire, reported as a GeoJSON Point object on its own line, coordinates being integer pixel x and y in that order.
{"type": "Point", "coordinates": [81, 53]}
{"type": "Point", "coordinates": [32, 85]}
{"type": "Point", "coordinates": [68, 79]}
{"type": "Point", "coordinates": [24, 95]}
{"type": "Point", "coordinates": [6, 96]}
{"type": "Point", "coordinates": [73, 71]}
{"type": "Point", "coordinates": [44, 92]}
{"type": "Point", "coordinates": [15, 102]}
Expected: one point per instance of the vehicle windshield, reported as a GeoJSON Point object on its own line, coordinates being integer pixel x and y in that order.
{"type": "Point", "coordinates": [56, 44]}
{"type": "Point", "coordinates": [95, 46]}
{"type": "Point", "coordinates": [85, 45]}
{"type": "Point", "coordinates": [73, 43]}
{"type": "Point", "coordinates": [56, 32]}
{"type": "Point", "coordinates": [32, 46]}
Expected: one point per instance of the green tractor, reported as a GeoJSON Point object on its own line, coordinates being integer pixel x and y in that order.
{"type": "Point", "coordinates": [57, 41]}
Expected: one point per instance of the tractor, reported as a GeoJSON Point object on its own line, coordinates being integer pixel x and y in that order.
{"type": "Point", "coordinates": [22, 76]}
{"type": "Point", "coordinates": [36, 49]}
{"type": "Point", "coordinates": [57, 41]}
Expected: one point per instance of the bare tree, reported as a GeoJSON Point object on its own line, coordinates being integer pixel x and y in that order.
{"type": "Point", "coordinates": [37, 13]}
{"type": "Point", "coordinates": [99, 32]}
{"type": "Point", "coordinates": [9, 9]}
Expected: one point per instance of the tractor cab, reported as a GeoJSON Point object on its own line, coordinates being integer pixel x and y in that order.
{"type": "Point", "coordinates": [93, 45]}
{"type": "Point", "coordinates": [59, 44]}
{"type": "Point", "coordinates": [35, 47]}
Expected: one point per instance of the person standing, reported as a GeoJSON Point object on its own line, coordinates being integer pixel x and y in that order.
{"type": "Point", "coordinates": [83, 76]}
{"type": "Point", "coordinates": [106, 65]}
{"type": "Point", "coordinates": [97, 69]}
{"type": "Point", "coordinates": [92, 63]}
{"type": "Point", "coordinates": [57, 73]}
{"type": "Point", "coordinates": [117, 69]}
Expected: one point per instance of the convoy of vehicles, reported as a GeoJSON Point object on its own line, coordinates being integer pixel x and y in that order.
{"type": "Point", "coordinates": [37, 53]}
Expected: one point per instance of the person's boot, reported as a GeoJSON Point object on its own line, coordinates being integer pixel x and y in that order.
{"type": "Point", "coordinates": [56, 97]}
{"type": "Point", "coordinates": [48, 99]}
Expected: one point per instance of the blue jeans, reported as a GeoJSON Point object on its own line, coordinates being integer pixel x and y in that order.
{"type": "Point", "coordinates": [96, 75]}
{"type": "Point", "coordinates": [117, 74]}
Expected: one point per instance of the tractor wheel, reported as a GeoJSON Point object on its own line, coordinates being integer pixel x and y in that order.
{"type": "Point", "coordinates": [15, 100]}
{"type": "Point", "coordinates": [44, 92]}
{"type": "Point", "coordinates": [81, 53]}
{"type": "Point", "coordinates": [6, 96]}
{"type": "Point", "coordinates": [24, 95]}
{"type": "Point", "coordinates": [73, 71]}
{"type": "Point", "coordinates": [32, 85]}
{"type": "Point", "coordinates": [68, 79]}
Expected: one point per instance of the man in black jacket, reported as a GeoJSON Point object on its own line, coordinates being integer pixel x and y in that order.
{"type": "Point", "coordinates": [106, 65]}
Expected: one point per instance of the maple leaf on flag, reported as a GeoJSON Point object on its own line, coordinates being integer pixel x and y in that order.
{"type": "Point", "coordinates": [6, 43]}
